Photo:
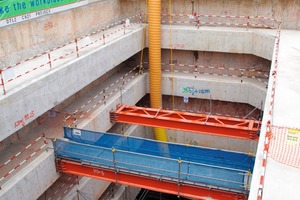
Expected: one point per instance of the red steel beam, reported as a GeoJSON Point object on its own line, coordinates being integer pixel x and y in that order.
{"type": "Point", "coordinates": [192, 122]}
{"type": "Point", "coordinates": [149, 183]}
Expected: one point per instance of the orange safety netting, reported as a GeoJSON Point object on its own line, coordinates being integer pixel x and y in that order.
{"type": "Point", "coordinates": [285, 145]}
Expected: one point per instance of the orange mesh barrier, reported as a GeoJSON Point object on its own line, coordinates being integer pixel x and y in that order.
{"type": "Point", "coordinates": [285, 145]}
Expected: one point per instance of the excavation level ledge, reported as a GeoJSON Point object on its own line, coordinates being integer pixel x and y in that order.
{"type": "Point", "coordinates": [184, 170]}
{"type": "Point", "coordinates": [184, 121]}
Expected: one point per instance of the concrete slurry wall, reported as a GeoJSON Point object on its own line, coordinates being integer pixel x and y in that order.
{"type": "Point", "coordinates": [206, 87]}
{"type": "Point", "coordinates": [211, 141]}
{"type": "Point", "coordinates": [28, 38]}
{"type": "Point", "coordinates": [233, 40]}
{"type": "Point", "coordinates": [206, 106]}
{"type": "Point", "coordinates": [215, 59]}
{"type": "Point", "coordinates": [288, 11]}
{"type": "Point", "coordinates": [56, 86]}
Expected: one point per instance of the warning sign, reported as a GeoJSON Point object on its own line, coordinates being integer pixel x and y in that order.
{"type": "Point", "coordinates": [293, 136]}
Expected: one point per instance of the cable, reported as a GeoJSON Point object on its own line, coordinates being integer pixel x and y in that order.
{"type": "Point", "coordinates": [143, 39]}
{"type": "Point", "coordinates": [252, 111]}
{"type": "Point", "coordinates": [171, 53]}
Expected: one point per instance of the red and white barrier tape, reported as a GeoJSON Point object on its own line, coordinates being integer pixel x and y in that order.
{"type": "Point", "coordinates": [268, 131]}
{"type": "Point", "coordinates": [63, 56]}
{"type": "Point", "coordinates": [262, 17]}
{"type": "Point", "coordinates": [36, 56]}
{"type": "Point", "coordinates": [105, 35]}
{"type": "Point", "coordinates": [103, 92]}
{"type": "Point", "coordinates": [70, 186]}
{"type": "Point", "coordinates": [23, 61]}
{"type": "Point", "coordinates": [105, 97]}
{"type": "Point", "coordinates": [198, 22]}
{"type": "Point", "coordinates": [222, 16]}
{"type": "Point", "coordinates": [17, 154]}
{"type": "Point", "coordinates": [27, 72]}
{"type": "Point", "coordinates": [16, 167]}
{"type": "Point", "coordinates": [219, 74]}
{"type": "Point", "coordinates": [178, 22]}
{"type": "Point", "coordinates": [61, 46]}
{"type": "Point", "coordinates": [217, 67]}
{"type": "Point", "coordinates": [109, 26]}
{"type": "Point", "coordinates": [62, 185]}
{"type": "Point", "coordinates": [196, 67]}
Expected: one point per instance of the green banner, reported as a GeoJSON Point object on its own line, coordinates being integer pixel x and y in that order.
{"type": "Point", "coordinates": [13, 8]}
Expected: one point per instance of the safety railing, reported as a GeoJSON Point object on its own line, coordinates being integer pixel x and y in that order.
{"type": "Point", "coordinates": [15, 161]}
{"type": "Point", "coordinates": [76, 45]}
{"type": "Point", "coordinates": [221, 20]}
{"type": "Point", "coordinates": [100, 98]}
{"type": "Point", "coordinates": [72, 48]}
{"type": "Point", "coordinates": [61, 190]}
{"type": "Point", "coordinates": [270, 109]}
{"type": "Point", "coordinates": [221, 70]}
{"type": "Point", "coordinates": [176, 170]}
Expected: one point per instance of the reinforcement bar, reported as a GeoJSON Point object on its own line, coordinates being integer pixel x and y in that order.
{"type": "Point", "coordinates": [198, 123]}
{"type": "Point", "coordinates": [197, 192]}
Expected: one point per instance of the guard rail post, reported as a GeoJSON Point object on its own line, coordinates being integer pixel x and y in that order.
{"type": "Point", "coordinates": [2, 81]}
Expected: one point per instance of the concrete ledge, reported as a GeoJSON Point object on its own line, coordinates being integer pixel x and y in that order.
{"type": "Point", "coordinates": [220, 39]}
{"type": "Point", "coordinates": [99, 120]}
{"type": "Point", "coordinates": [218, 88]}
{"type": "Point", "coordinates": [53, 88]}
{"type": "Point", "coordinates": [32, 181]}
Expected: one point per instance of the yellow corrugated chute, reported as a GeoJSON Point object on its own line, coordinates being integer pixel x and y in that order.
{"type": "Point", "coordinates": [154, 38]}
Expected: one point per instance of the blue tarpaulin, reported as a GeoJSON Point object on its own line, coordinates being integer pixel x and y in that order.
{"type": "Point", "coordinates": [198, 165]}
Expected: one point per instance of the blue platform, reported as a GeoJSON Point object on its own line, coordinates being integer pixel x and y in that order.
{"type": "Point", "coordinates": [197, 165]}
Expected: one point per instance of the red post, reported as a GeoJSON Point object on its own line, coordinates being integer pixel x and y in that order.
{"type": "Point", "coordinates": [44, 138]}
{"type": "Point", "coordinates": [49, 57]}
{"type": "Point", "coordinates": [103, 39]}
{"type": "Point", "coordinates": [76, 42]}
{"type": "Point", "coordinates": [104, 97]}
{"type": "Point", "coordinates": [248, 22]}
{"type": "Point", "coordinates": [2, 81]}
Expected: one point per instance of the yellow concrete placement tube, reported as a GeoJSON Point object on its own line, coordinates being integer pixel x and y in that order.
{"type": "Point", "coordinates": [154, 34]}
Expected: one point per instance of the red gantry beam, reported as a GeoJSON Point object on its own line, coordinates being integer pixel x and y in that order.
{"type": "Point", "coordinates": [135, 180]}
{"type": "Point", "coordinates": [198, 123]}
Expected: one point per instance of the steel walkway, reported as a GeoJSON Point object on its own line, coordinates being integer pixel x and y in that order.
{"type": "Point", "coordinates": [171, 168]}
